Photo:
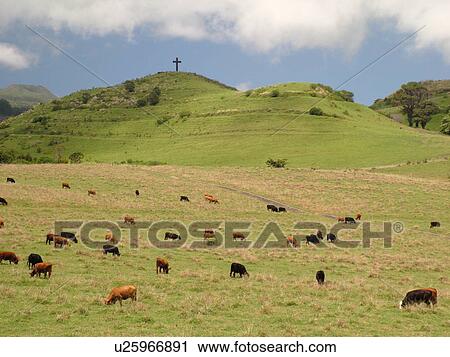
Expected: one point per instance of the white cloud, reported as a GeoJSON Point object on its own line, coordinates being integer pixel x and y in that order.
{"type": "Point", "coordinates": [256, 25]}
{"type": "Point", "coordinates": [13, 58]}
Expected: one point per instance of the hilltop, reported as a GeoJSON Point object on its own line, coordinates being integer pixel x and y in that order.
{"type": "Point", "coordinates": [439, 94]}
{"type": "Point", "coordinates": [22, 95]}
{"type": "Point", "coordinates": [198, 121]}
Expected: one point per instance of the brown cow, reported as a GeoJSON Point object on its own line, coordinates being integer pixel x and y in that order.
{"type": "Point", "coordinates": [162, 266]}
{"type": "Point", "coordinates": [238, 235]}
{"type": "Point", "coordinates": [341, 219]}
{"type": "Point", "coordinates": [128, 219]}
{"type": "Point", "coordinates": [2, 222]}
{"type": "Point", "coordinates": [49, 238]}
{"type": "Point", "coordinates": [291, 241]}
{"type": "Point", "coordinates": [121, 293]}
{"type": "Point", "coordinates": [358, 217]}
{"type": "Point", "coordinates": [12, 257]}
{"type": "Point", "coordinates": [91, 193]}
{"type": "Point", "coordinates": [65, 185]}
{"type": "Point", "coordinates": [60, 241]}
{"type": "Point", "coordinates": [42, 268]}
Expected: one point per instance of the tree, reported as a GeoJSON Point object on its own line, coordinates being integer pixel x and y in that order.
{"type": "Point", "coordinates": [76, 157]}
{"type": "Point", "coordinates": [153, 97]}
{"type": "Point", "coordinates": [129, 86]}
{"type": "Point", "coordinates": [410, 97]}
{"type": "Point", "coordinates": [445, 126]}
{"type": "Point", "coordinates": [346, 95]}
{"type": "Point", "coordinates": [424, 112]}
{"type": "Point", "coordinates": [5, 107]}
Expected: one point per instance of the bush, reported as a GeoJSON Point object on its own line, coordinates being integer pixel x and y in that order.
{"type": "Point", "coordinates": [161, 121]}
{"type": "Point", "coordinates": [185, 114]}
{"type": "Point", "coordinates": [76, 157]}
{"type": "Point", "coordinates": [129, 86]}
{"type": "Point", "coordinates": [445, 126]}
{"type": "Point", "coordinates": [6, 157]}
{"type": "Point", "coordinates": [277, 163]}
{"type": "Point", "coordinates": [153, 97]}
{"type": "Point", "coordinates": [40, 119]}
{"type": "Point", "coordinates": [85, 96]}
{"type": "Point", "coordinates": [275, 93]}
{"type": "Point", "coordinates": [315, 111]}
{"type": "Point", "coordinates": [141, 103]}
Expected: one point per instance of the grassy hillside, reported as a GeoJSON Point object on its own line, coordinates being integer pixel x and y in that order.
{"type": "Point", "coordinates": [439, 94]}
{"type": "Point", "coordinates": [281, 297]}
{"type": "Point", "coordinates": [202, 122]}
{"type": "Point", "coordinates": [22, 95]}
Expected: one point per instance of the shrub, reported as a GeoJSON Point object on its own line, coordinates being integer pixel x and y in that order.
{"type": "Point", "coordinates": [275, 93]}
{"type": "Point", "coordinates": [141, 103]}
{"type": "Point", "coordinates": [277, 163]}
{"type": "Point", "coordinates": [40, 119]}
{"type": "Point", "coordinates": [185, 114]}
{"type": "Point", "coordinates": [85, 96]}
{"type": "Point", "coordinates": [76, 157]}
{"type": "Point", "coordinates": [129, 86]}
{"type": "Point", "coordinates": [315, 111]}
{"type": "Point", "coordinates": [445, 126]}
{"type": "Point", "coordinates": [161, 121]}
{"type": "Point", "coordinates": [153, 97]}
{"type": "Point", "coordinates": [7, 157]}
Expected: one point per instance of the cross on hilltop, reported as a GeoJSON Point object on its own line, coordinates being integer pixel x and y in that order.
{"type": "Point", "coordinates": [177, 62]}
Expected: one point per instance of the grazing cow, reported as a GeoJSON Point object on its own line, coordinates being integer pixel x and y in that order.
{"type": "Point", "coordinates": [341, 219]}
{"type": "Point", "coordinates": [427, 296]}
{"type": "Point", "coordinates": [10, 180]}
{"type": "Point", "coordinates": [237, 268]}
{"type": "Point", "coordinates": [172, 236]}
{"type": "Point", "coordinates": [331, 237]}
{"type": "Point", "coordinates": [435, 224]}
{"type": "Point", "coordinates": [69, 235]}
{"type": "Point", "coordinates": [2, 222]}
{"type": "Point", "coordinates": [33, 259]}
{"type": "Point", "coordinates": [320, 277]}
{"type": "Point", "coordinates": [10, 256]}
{"type": "Point", "coordinates": [65, 185]}
{"type": "Point", "coordinates": [291, 241]}
{"type": "Point", "coordinates": [350, 220]}
{"type": "Point", "coordinates": [184, 198]}
{"type": "Point", "coordinates": [60, 242]}
{"type": "Point", "coordinates": [211, 199]}
{"type": "Point", "coordinates": [137, 193]}
{"type": "Point", "coordinates": [92, 192]}
{"type": "Point", "coordinates": [281, 209]}
{"type": "Point", "coordinates": [128, 219]}
{"type": "Point", "coordinates": [108, 248]}
{"type": "Point", "coordinates": [162, 266]}
{"type": "Point", "coordinates": [358, 217]}
{"type": "Point", "coordinates": [312, 238]}
{"type": "Point", "coordinates": [42, 268]}
{"type": "Point", "coordinates": [272, 208]}
{"type": "Point", "coordinates": [319, 234]}
{"type": "Point", "coordinates": [238, 235]}
{"type": "Point", "coordinates": [110, 238]}
{"type": "Point", "coordinates": [121, 293]}
{"type": "Point", "coordinates": [208, 233]}
{"type": "Point", "coordinates": [50, 237]}
{"type": "Point", "coordinates": [3, 202]}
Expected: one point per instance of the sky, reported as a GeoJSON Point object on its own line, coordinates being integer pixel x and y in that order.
{"type": "Point", "coordinates": [242, 43]}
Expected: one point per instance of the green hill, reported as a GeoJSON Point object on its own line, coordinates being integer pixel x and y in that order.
{"type": "Point", "coordinates": [439, 94]}
{"type": "Point", "coordinates": [25, 96]}
{"type": "Point", "coordinates": [199, 121]}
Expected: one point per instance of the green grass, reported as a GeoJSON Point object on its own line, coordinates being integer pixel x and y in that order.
{"type": "Point", "coordinates": [208, 124]}
{"type": "Point", "coordinates": [434, 170]}
{"type": "Point", "coordinates": [197, 298]}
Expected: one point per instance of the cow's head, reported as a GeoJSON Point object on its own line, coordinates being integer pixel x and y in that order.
{"type": "Point", "coordinates": [15, 260]}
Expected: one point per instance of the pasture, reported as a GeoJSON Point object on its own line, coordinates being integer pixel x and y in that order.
{"type": "Point", "coordinates": [198, 298]}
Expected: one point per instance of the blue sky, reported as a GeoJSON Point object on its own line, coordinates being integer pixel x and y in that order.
{"type": "Point", "coordinates": [236, 59]}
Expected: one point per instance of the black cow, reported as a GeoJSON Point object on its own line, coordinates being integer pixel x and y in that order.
{"type": "Point", "coordinates": [350, 220]}
{"type": "Point", "coordinates": [281, 209]}
{"type": "Point", "coordinates": [172, 236]}
{"type": "Point", "coordinates": [320, 234]}
{"type": "Point", "coordinates": [10, 180]}
{"type": "Point", "coordinates": [331, 237]}
{"type": "Point", "coordinates": [3, 202]}
{"type": "Point", "coordinates": [33, 259]}
{"type": "Point", "coordinates": [70, 236]}
{"type": "Point", "coordinates": [272, 208]}
{"type": "Point", "coordinates": [137, 193]}
{"type": "Point", "coordinates": [237, 268]}
{"type": "Point", "coordinates": [312, 238]}
{"type": "Point", "coordinates": [435, 224]}
{"type": "Point", "coordinates": [184, 198]}
{"type": "Point", "coordinates": [107, 248]}
{"type": "Point", "coordinates": [320, 277]}
{"type": "Point", "coordinates": [427, 296]}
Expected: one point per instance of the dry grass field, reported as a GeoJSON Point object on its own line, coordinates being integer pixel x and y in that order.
{"type": "Point", "coordinates": [198, 298]}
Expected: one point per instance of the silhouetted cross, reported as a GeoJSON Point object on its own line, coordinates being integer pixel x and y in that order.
{"type": "Point", "coordinates": [177, 62]}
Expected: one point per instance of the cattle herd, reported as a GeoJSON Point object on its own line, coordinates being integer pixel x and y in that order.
{"type": "Point", "coordinates": [38, 267]}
